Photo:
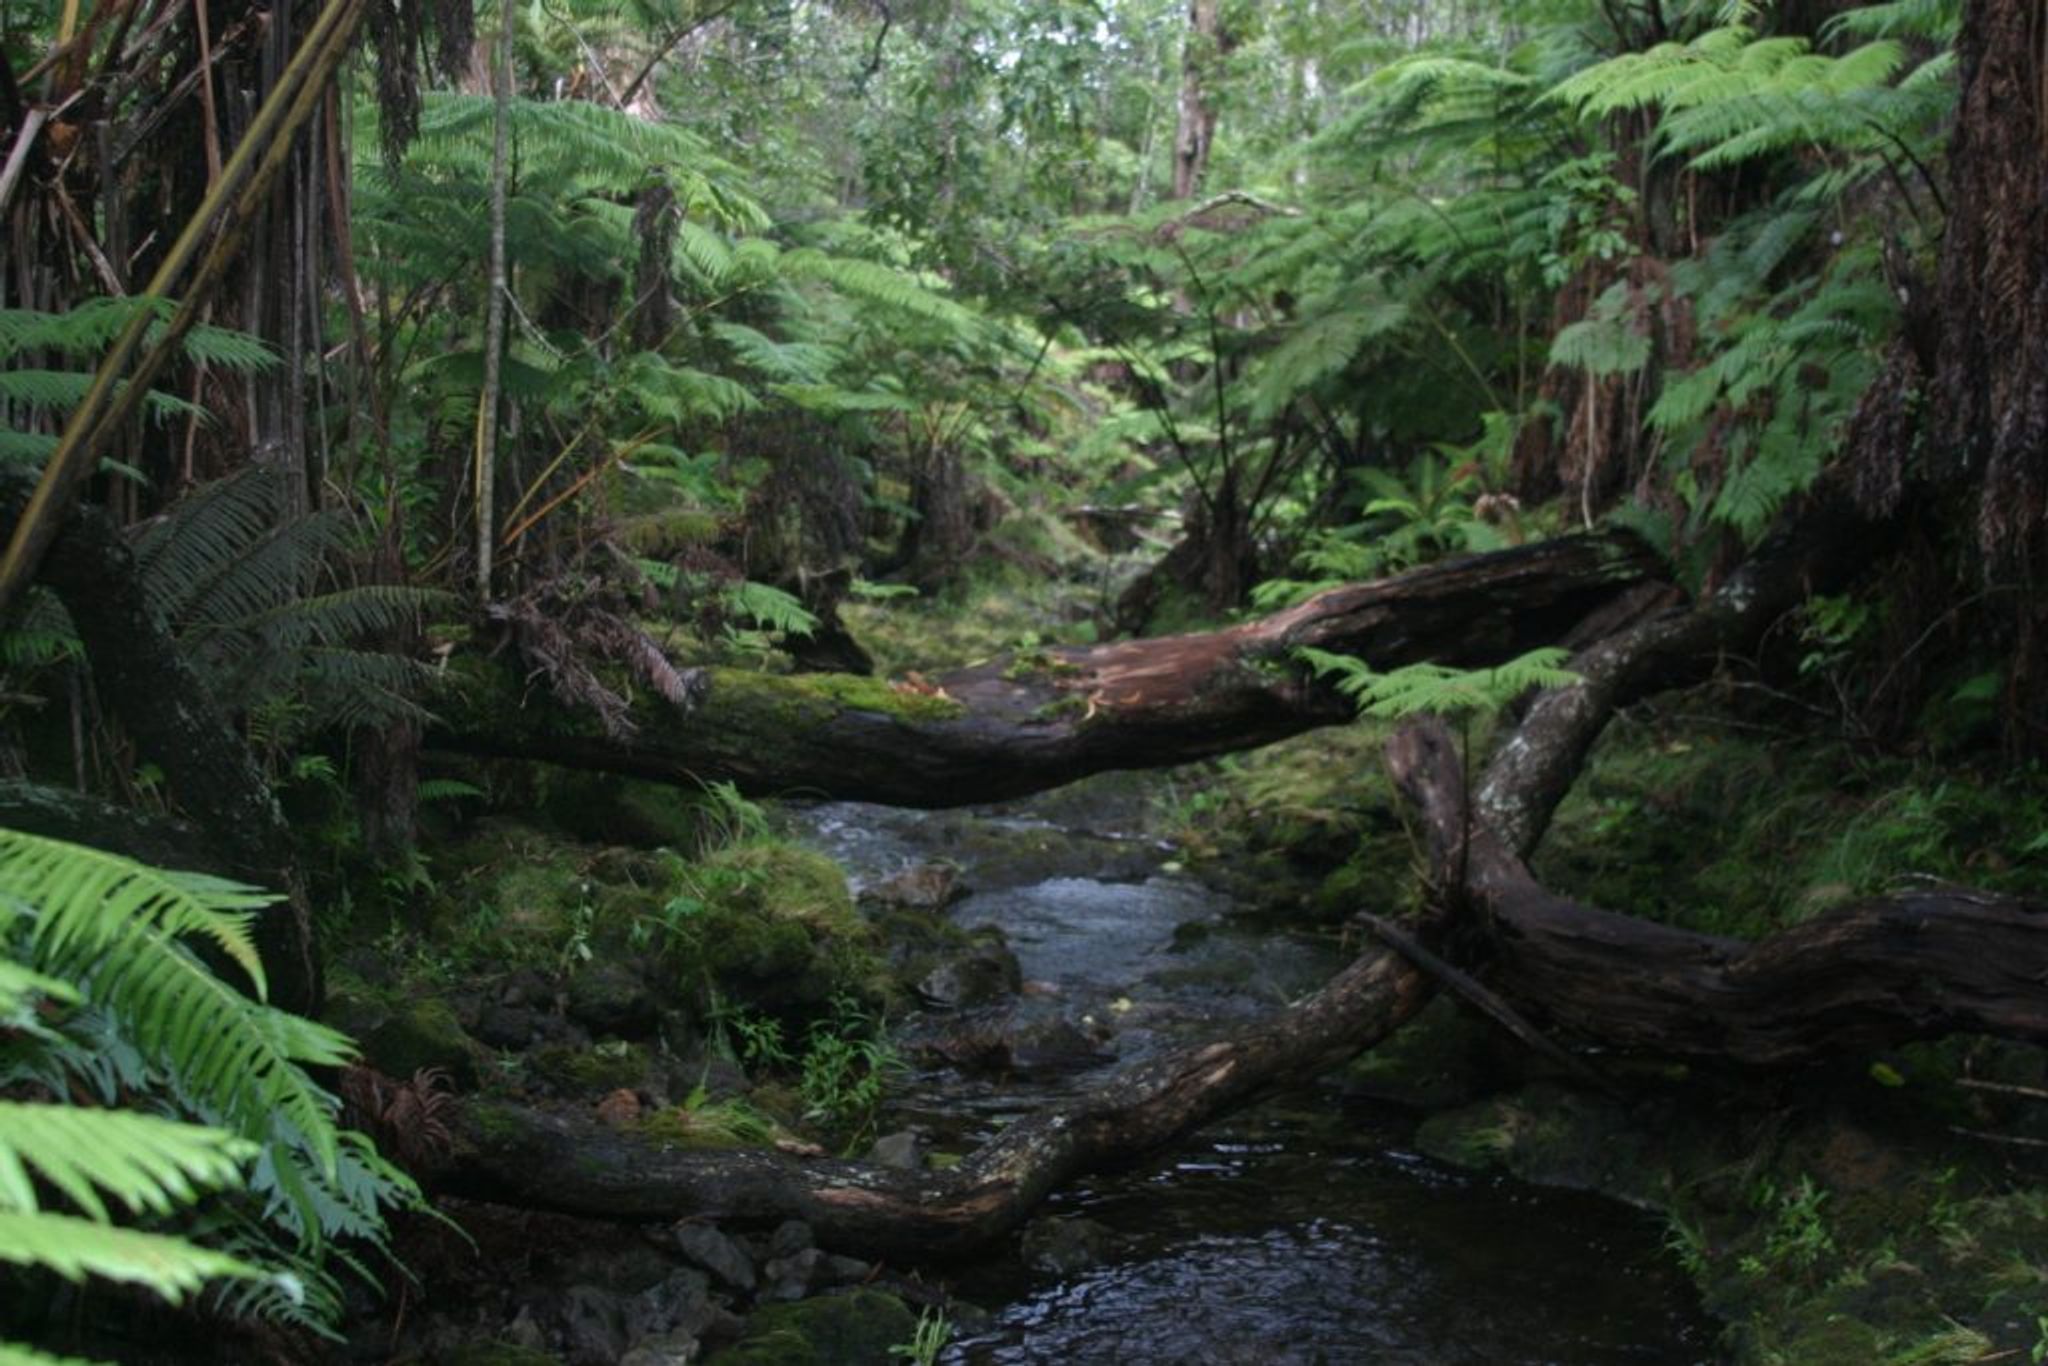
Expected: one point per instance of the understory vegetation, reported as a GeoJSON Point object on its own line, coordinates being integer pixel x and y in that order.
{"type": "Point", "coordinates": [460, 460]}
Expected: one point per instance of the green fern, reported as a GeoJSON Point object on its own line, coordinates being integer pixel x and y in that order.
{"type": "Point", "coordinates": [109, 941]}
{"type": "Point", "coordinates": [1435, 689]}
{"type": "Point", "coordinates": [76, 1248]}
{"type": "Point", "coordinates": [150, 1165]}
{"type": "Point", "coordinates": [769, 607]}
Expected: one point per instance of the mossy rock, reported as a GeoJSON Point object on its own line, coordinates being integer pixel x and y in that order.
{"type": "Point", "coordinates": [861, 1328]}
{"type": "Point", "coordinates": [776, 929]}
{"type": "Point", "coordinates": [1444, 1057]}
{"type": "Point", "coordinates": [607, 809]}
{"type": "Point", "coordinates": [422, 1034]}
{"type": "Point", "coordinates": [604, 1067]}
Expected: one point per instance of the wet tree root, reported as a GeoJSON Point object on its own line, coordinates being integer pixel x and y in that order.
{"type": "Point", "coordinates": [575, 1165]}
{"type": "Point", "coordinates": [1883, 971]}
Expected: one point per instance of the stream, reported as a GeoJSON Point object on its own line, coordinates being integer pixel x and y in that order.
{"type": "Point", "coordinates": [1304, 1230]}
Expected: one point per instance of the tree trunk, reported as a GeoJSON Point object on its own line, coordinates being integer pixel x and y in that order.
{"type": "Point", "coordinates": [494, 311]}
{"type": "Point", "coordinates": [1208, 42]}
{"type": "Point", "coordinates": [1023, 724]}
{"type": "Point", "coordinates": [1880, 972]}
{"type": "Point", "coordinates": [163, 705]}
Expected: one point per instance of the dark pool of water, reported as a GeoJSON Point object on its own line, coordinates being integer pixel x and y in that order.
{"type": "Point", "coordinates": [1304, 1233]}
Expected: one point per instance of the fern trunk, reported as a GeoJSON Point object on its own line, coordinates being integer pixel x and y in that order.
{"type": "Point", "coordinates": [166, 708]}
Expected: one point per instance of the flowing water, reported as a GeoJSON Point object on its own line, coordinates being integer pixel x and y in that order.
{"type": "Point", "coordinates": [1301, 1231]}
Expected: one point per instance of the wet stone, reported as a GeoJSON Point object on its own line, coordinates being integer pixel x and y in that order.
{"type": "Point", "coordinates": [1066, 1247]}
{"type": "Point", "coordinates": [680, 1304]}
{"type": "Point", "coordinates": [903, 1150]}
{"type": "Point", "coordinates": [791, 1235]}
{"type": "Point", "coordinates": [705, 1246]}
{"type": "Point", "coordinates": [836, 1270]}
{"type": "Point", "coordinates": [926, 887]}
{"type": "Point", "coordinates": [593, 1326]}
{"type": "Point", "coordinates": [611, 998]}
{"type": "Point", "coordinates": [791, 1277]}
{"type": "Point", "coordinates": [982, 973]}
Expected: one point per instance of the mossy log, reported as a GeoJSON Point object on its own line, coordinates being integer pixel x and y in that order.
{"type": "Point", "coordinates": [1025, 723]}
{"type": "Point", "coordinates": [575, 1165]}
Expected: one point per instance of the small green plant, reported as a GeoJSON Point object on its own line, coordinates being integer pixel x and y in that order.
{"type": "Point", "coordinates": [845, 1070]}
{"type": "Point", "coordinates": [929, 1339]}
{"type": "Point", "coordinates": [1686, 1240]}
{"type": "Point", "coordinates": [1437, 689]}
{"type": "Point", "coordinates": [745, 1037]}
{"type": "Point", "coordinates": [1797, 1234]}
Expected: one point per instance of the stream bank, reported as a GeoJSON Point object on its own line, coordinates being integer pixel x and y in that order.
{"type": "Point", "coordinates": [1405, 1207]}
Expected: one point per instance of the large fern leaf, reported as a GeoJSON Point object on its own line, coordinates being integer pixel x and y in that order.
{"type": "Point", "coordinates": [76, 1248]}
{"type": "Point", "coordinates": [150, 1165]}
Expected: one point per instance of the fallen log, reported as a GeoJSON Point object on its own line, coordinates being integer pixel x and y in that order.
{"type": "Point", "coordinates": [1028, 722]}
{"type": "Point", "coordinates": [1882, 971]}
{"type": "Point", "coordinates": [575, 1165]}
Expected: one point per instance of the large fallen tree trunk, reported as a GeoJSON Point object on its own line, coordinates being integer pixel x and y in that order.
{"type": "Point", "coordinates": [578, 1166]}
{"type": "Point", "coordinates": [1026, 723]}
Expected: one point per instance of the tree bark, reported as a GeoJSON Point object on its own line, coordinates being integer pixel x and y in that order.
{"type": "Point", "coordinates": [577, 1166]}
{"type": "Point", "coordinates": [1208, 42]}
{"type": "Point", "coordinates": [1019, 725]}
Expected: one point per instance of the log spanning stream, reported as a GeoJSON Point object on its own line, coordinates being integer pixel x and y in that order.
{"type": "Point", "coordinates": [1304, 1230]}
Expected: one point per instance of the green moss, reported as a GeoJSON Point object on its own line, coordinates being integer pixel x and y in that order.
{"type": "Point", "coordinates": [499, 1354]}
{"type": "Point", "coordinates": [1070, 706]}
{"type": "Point", "coordinates": [861, 1328]}
{"type": "Point", "coordinates": [772, 926]}
{"type": "Point", "coordinates": [604, 1067]}
{"type": "Point", "coordinates": [731, 1123]}
{"type": "Point", "coordinates": [874, 694]}
{"type": "Point", "coordinates": [423, 1034]}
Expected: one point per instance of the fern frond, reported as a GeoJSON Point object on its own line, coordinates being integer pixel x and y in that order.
{"type": "Point", "coordinates": [150, 1165]}
{"type": "Point", "coordinates": [13, 1354]}
{"type": "Point", "coordinates": [84, 329]}
{"type": "Point", "coordinates": [206, 532]}
{"type": "Point", "coordinates": [76, 1248]}
{"type": "Point", "coordinates": [113, 926]}
{"type": "Point", "coordinates": [797, 362]}
{"type": "Point", "coordinates": [1437, 689]}
{"type": "Point", "coordinates": [63, 390]}
{"type": "Point", "coordinates": [769, 607]}
{"type": "Point", "coordinates": [98, 896]}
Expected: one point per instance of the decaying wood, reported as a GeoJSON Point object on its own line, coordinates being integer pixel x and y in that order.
{"type": "Point", "coordinates": [1024, 724]}
{"type": "Point", "coordinates": [1883, 971]}
{"type": "Point", "coordinates": [577, 1166]}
